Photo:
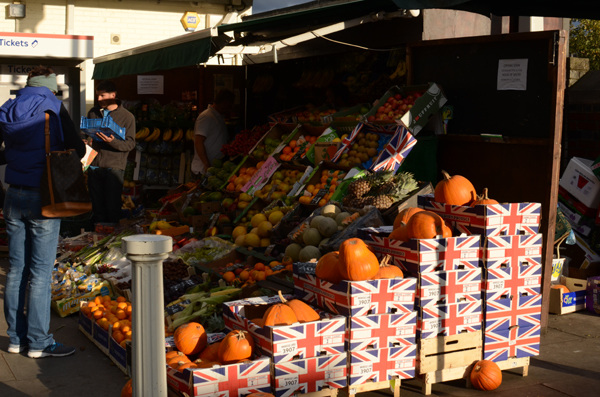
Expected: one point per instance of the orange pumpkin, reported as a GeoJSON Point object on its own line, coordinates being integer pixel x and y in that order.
{"type": "Point", "coordinates": [176, 364]}
{"type": "Point", "coordinates": [237, 345]}
{"type": "Point", "coordinates": [127, 390]}
{"type": "Point", "coordinates": [173, 353]}
{"type": "Point", "coordinates": [486, 375]}
{"type": "Point", "coordinates": [454, 190]}
{"type": "Point", "coordinates": [210, 353]}
{"type": "Point", "coordinates": [484, 199]}
{"type": "Point", "coordinates": [200, 363]}
{"type": "Point", "coordinates": [404, 215]}
{"type": "Point", "coordinates": [174, 360]}
{"type": "Point", "coordinates": [189, 364]}
{"type": "Point", "coordinates": [563, 288]}
{"type": "Point", "coordinates": [328, 267]}
{"type": "Point", "coordinates": [258, 321]}
{"type": "Point", "coordinates": [400, 233]}
{"type": "Point", "coordinates": [357, 262]}
{"type": "Point", "coordinates": [304, 313]}
{"type": "Point", "coordinates": [427, 224]}
{"type": "Point", "coordinates": [190, 338]}
{"type": "Point", "coordinates": [386, 270]}
{"type": "Point", "coordinates": [279, 314]}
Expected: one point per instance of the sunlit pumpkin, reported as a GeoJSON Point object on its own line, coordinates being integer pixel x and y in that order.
{"type": "Point", "coordinates": [404, 215]}
{"type": "Point", "coordinates": [190, 338]}
{"type": "Point", "coordinates": [427, 224]}
{"type": "Point", "coordinates": [210, 352]}
{"type": "Point", "coordinates": [484, 199]}
{"type": "Point", "coordinates": [237, 345]}
{"type": "Point", "coordinates": [454, 190]}
{"type": "Point", "coordinates": [127, 390]}
{"type": "Point", "coordinates": [328, 267]}
{"type": "Point", "coordinates": [387, 270]}
{"type": "Point", "coordinates": [279, 314]}
{"type": "Point", "coordinates": [304, 313]}
{"type": "Point", "coordinates": [563, 288]}
{"type": "Point", "coordinates": [357, 261]}
{"type": "Point", "coordinates": [486, 375]}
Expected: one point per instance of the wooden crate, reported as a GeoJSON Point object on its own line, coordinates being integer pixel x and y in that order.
{"type": "Point", "coordinates": [511, 363]}
{"type": "Point", "coordinates": [448, 358]}
{"type": "Point", "coordinates": [371, 386]}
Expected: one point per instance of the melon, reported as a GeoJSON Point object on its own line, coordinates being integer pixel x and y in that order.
{"type": "Point", "coordinates": [293, 251]}
{"type": "Point", "coordinates": [339, 218]}
{"type": "Point", "coordinates": [311, 236]}
{"type": "Point", "coordinates": [327, 227]}
{"type": "Point", "coordinates": [323, 243]}
{"type": "Point", "coordinates": [315, 221]}
{"type": "Point", "coordinates": [330, 211]}
{"type": "Point", "coordinates": [309, 252]}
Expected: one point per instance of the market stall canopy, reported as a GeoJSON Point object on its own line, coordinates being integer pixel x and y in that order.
{"type": "Point", "coordinates": [276, 26]}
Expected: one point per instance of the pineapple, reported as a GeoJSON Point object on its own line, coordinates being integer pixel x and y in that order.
{"type": "Point", "coordinates": [359, 187]}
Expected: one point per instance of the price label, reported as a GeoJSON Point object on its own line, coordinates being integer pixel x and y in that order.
{"type": "Point", "coordinates": [532, 281]}
{"type": "Point", "coordinates": [533, 251]}
{"type": "Point", "coordinates": [496, 285]}
{"type": "Point", "coordinates": [289, 381]}
{"type": "Point", "coordinates": [432, 325]}
{"type": "Point", "coordinates": [403, 297]}
{"type": "Point", "coordinates": [333, 340]}
{"type": "Point", "coordinates": [529, 219]}
{"type": "Point", "coordinates": [287, 348]}
{"type": "Point", "coordinates": [258, 381]}
{"type": "Point", "coordinates": [362, 300]}
{"type": "Point", "coordinates": [362, 369]}
{"type": "Point", "coordinates": [402, 331]}
{"type": "Point", "coordinates": [432, 293]}
{"type": "Point", "coordinates": [402, 364]}
{"type": "Point", "coordinates": [472, 320]}
{"type": "Point", "coordinates": [472, 288]}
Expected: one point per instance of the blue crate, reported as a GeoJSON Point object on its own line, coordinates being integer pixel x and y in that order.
{"type": "Point", "coordinates": [105, 125]}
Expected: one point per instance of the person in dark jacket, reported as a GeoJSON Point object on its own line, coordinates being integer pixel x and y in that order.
{"type": "Point", "coordinates": [105, 174]}
{"type": "Point", "coordinates": [32, 238]}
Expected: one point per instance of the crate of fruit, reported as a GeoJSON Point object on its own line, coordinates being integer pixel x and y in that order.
{"type": "Point", "coordinates": [105, 125]}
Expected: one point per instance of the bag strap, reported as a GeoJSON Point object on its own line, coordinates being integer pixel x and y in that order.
{"type": "Point", "coordinates": [48, 169]}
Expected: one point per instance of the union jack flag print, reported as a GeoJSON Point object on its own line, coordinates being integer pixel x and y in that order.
{"type": "Point", "coordinates": [516, 250]}
{"type": "Point", "coordinates": [502, 344]}
{"type": "Point", "coordinates": [379, 365]}
{"type": "Point", "coordinates": [378, 331]}
{"type": "Point", "coordinates": [395, 151]}
{"type": "Point", "coordinates": [288, 342]}
{"type": "Point", "coordinates": [524, 311]}
{"type": "Point", "coordinates": [357, 298]}
{"type": "Point", "coordinates": [310, 375]}
{"type": "Point", "coordinates": [507, 281]}
{"type": "Point", "coordinates": [488, 220]}
{"type": "Point", "coordinates": [232, 380]}
{"type": "Point", "coordinates": [346, 142]}
{"type": "Point", "coordinates": [453, 319]}
{"type": "Point", "coordinates": [447, 287]}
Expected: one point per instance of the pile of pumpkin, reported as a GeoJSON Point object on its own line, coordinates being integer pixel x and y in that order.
{"type": "Point", "coordinates": [354, 261]}
{"type": "Point", "coordinates": [414, 222]}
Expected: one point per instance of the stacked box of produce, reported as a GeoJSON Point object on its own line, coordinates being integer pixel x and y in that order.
{"type": "Point", "coordinates": [362, 146]}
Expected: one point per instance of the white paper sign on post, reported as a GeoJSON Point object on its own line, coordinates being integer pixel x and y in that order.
{"type": "Point", "coordinates": [512, 74]}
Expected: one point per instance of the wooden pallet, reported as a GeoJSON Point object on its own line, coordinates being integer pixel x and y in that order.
{"type": "Point", "coordinates": [512, 363]}
{"type": "Point", "coordinates": [448, 358]}
{"type": "Point", "coordinates": [371, 386]}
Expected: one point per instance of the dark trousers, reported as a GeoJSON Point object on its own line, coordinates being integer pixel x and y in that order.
{"type": "Point", "coordinates": [105, 186]}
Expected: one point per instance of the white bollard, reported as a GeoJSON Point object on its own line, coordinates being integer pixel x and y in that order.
{"type": "Point", "coordinates": [147, 253]}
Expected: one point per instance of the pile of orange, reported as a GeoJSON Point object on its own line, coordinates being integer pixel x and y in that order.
{"type": "Point", "coordinates": [237, 181]}
{"type": "Point", "coordinates": [288, 152]}
{"type": "Point", "coordinates": [330, 179]}
{"type": "Point", "coordinates": [249, 274]}
{"type": "Point", "coordinates": [107, 312]}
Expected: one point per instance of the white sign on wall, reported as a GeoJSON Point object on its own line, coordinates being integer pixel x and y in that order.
{"type": "Point", "coordinates": [512, 74]}
{"type": "Point", "coordinates": [46, 45]}
{"type": "Point", "coordinates": [154, 85]}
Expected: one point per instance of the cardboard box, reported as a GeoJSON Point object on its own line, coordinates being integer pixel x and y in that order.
{"type": "Point", "coordinates": [356, 298]}
{"type": "Point", "coordinates": [450, 286]}
{"type": "Point", "coordinates": [488, 220]}
{"type": "Point", "coordinates": [100, 336]}
{"type": "Point", "coordinates": [286, 342]}
{"type": "Point", "coordinates": [592, 298]}
{"type": "Point", "coordinates": [579, 180]}
{"type": "Point", "coordinates": [64, 307]}
{"type": "Point", "coordinates": [379, 331]}
{"type": "Point", "coordinates": [453, 319]}
{"type": "Point", "coordinates": [310, 375]}
{"type": "Point", "coordinates": [117, 353]}
{"type": "Point", "coordinates": [379, 365]}
{"type": "Point", "coordinates": [511, 251]}
{"type": "Point", "coordinates": [512, 281]}
{"type": "Point", "coordinates": [424, 255]}
{"type": "Point", "coordinates": [570, 302]}
{"type": "Point", "coordinates": [231, 380]}
{"type": "Point", "coordinates": [566, 199]}
{"type": "Point", "coordinates": [503, 344]}
{"type": "Point", "coordinates": [582, 224]}
{"type": "Point", "coordinates": [524, 311]}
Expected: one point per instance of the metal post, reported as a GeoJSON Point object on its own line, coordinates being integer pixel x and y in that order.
{"type": "Point", "coordinates": [147, 253]}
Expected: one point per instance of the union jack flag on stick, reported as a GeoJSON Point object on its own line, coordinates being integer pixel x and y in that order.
{"type": "Point", "coordinates": [395, 151]}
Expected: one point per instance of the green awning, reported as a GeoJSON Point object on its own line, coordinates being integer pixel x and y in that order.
{"type": "Point", "coordinates": [188, 53]}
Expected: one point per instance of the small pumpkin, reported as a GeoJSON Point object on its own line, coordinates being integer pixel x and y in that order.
{"type": "Point", "coordinates": [190, 338]}
{"type": "Point", "coordinates": [304, 313]}
{"type": "Point", "coordinates": [387, 270]}
{"type": "Point", "coordinates": [200, 363]}
{"type": "Point", "coordinates": [188, 365]}
{"type": "Point", "coordinates": [404, 215]}
{"type": "Point", "coordinates": [127, 390]}
{"type": "Point", "coordinates": [328, 267]}
{"type": "Point", "coordinates": [400, 233]}
{"type": "Point", "coordinates": [279, 314]}
{"type": "Point", "coordinates": [357, 262]}
{"type": "Point", "coordinates": [484, 199]}
{"type": "Point", "coordinates": [427, 224]}
{"type": "Point", "coordinates": [172, 353]}
{"type": "Point", "coordinates": [174, 360]}
{"type": "Point", "coordinates": [454, 190]}
{"type": "Point", "coordinates": [258, 321]}
{"type": "Point", "coordinates": [563, 288]}
{"type": "Point", "coordinates": [210, 352]}
{"type": "Point", "coordinates": [237, 345]}
{"type": "Point", "coordinates": [486, 375]}
{"type": "Point", "coordinates": [177, 364]}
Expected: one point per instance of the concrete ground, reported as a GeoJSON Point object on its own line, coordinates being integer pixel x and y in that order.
{"type": "Point", "coordinates": [568, 365]}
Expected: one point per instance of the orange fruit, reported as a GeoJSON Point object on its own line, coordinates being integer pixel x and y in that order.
{"type": "Point", "coordinates": [259, 266]}
{"type": "Point", "coordinates": [229, 276]}
{"type": "Point", "coordinates": [122, 305]}
{"type": "Point", "coordinates": [244, 275]}
{"type": "Point", "coordinates": [121, 314]}
{"type": "Point", "coordinates": [98, 300]}
{"type": "Point", "coordinates": [293, 143]}
{"type": "Point", "coordinates": [118, 336]}
{"type": "Point", "coordinates": [125, 329]}
{"type": "Point", "coordinates": [97, 314]}
{"type": "Point", "coordinates": [121, 299]}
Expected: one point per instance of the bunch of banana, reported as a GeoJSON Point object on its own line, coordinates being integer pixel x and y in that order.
{"type": "Point", "coordinates": [159, 225]}
{"type": "Point", "coordinates": [142, 134]}
{"type": "Point", "coordinates": [153, 136]}
{"type": "Point", "coordinates": [189, 134]}
{"type": "Point", "coordinates": [167, 135]}
{"type": "Point", "coordinates": [177, 135]}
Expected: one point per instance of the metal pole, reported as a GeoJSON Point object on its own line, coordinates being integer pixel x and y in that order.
{"type": "Point", "coordinates": [147, 253]}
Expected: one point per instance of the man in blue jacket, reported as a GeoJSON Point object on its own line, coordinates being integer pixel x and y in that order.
{"type": "Point", "coordinates": [32, 238]}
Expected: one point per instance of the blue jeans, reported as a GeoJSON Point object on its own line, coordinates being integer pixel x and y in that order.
{"type": "Point", "coordinates": [32, 243]}
{"type": "Point", "coordinates": [106, 186]}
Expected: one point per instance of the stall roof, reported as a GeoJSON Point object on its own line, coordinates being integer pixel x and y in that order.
{"type": "Point", "coordinates": [197, 47]}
